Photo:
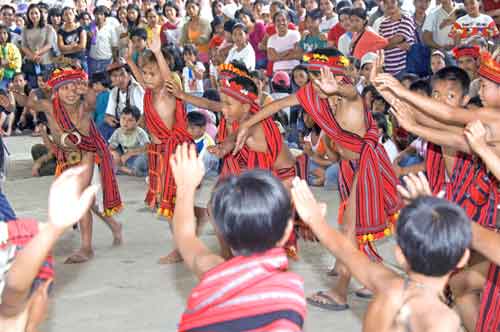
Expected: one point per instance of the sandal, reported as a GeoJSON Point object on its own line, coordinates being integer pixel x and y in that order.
{"type": "Point", "coordinates": [332, 305]}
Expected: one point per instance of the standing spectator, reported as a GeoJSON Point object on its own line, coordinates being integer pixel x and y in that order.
{"type": "Point", "coordinates": [123, 32]}
{"type": "Point", "coordinates": [242, 50]}
{"type": "Point", "coordinates": [104, 42]}
{"type": "Point", "coordinates": [10, 58]}
{"type": "Point", "coordinates": [472, 24]}
{"type": "Point", "coordinates": [364, 39]}
{"type": "Point", "coordinates": [330, 18]}
{"type": "Point", "coordinates": [72, 39]}
{"type": "Point", "coordinates": [153, 26]}
{"type": "Point", "coordinates": [134, 17]}
{"type": "Point", "coordinates": [340, 28]}
{"type": "Point", "coordinates": [44, 10]}
{"type": "Point", "coordinates": [434, 34]}
{"type": "Point", "coordinates": [419, 17]}
{"type": "Point", "coordinates": [8, 15]}
{"type": "Point", "coordinates": [37, 43]}
{"type": "Point", "coordinates": [139, 44]}
{"type": "Point", "coordinates": [217, 7]}
{"type": "Point", "coordinates": [281, 46]}
{"type": "Point", "coordinates": [171, 30]}
{"type": "Point", "coordinates": [256, 33]}
{"type": "Point", "coordinates": [312, 38]}
{"type": "Point", "coordinates": [399, 30]}
{"type": "Point", "coordinates": [20, 21]}
{"type": "Point", "coordinates": [54, 18]}
{"type": "Point", "coordinates": [196, 30]}
{"type": "Point", "coordinates": [192, 74]}
{"type": "Point", "coordinates": [81, 6]}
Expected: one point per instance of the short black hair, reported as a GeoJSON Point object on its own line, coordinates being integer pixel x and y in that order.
{"type": "Point", "coordinates": [314, 14]}
{"type": "Point", "coordinates": [4, 7]}
{"type": "Point", "coordinates": [409, 76]}
{"type": "Point", "coordinates": [211, 94]}
{"type": "Point", "coordinates": [132, 110]}
{"type": "Point", "coordinates": [100, 77]}
{"type": "Point", "coordinates": [19, 74]}
{"type": "Point", "coordinates": [475, 101]}
{"type": "Point", "coordinates": [342, 4]}
{"type": "Point", "coordinates": [139, 32]}
{"type": "Point", "coordinates": [453, 73]}
{"type": "Point", "coordinates": [196, 119]}
{"type": "Point", "coordinates": [422, 85]}
{"type": "Point", "coordinates": [251, 211]}
{"type": "Point", "coordinates": [173, 5]}
{"type": "Point", "coordinates": [280, 12]}
{"type": "Point", "coordinates": [433, 235]}
{"type": "Point", "coordinates": [278, 4]}
{"type": "Point", "coordinates": [190, 49]}
{"type": "Point", "coordinates": [368, 88]}
{"type": "Point", "coordinates": [43, 5]}
{"type": "Point", "coordinates": [381, 120]}
{"type": "Point", "coordinates": [6, 28]}
{"type": "Point", "coordinates": [241, 26]}
{"type": "Point", "coordinates": [102, 10]}
{"type": "Point", "coordinates": [53, 12]}
{"type": "Point", "coordinates": [246, 83]}
{"type": "Point", "coordinates": [244, 11]}
{"type": "Point", "coordinates": [27, 19]}
{"type": "Point", "coordinates": [354, 62]}
{"type": "Point", "coordinates": [460, 12]}
{"type": "Point", "coordinates": [303, 3]}
{"type": "Point", "coordinates": [328, 51]}
{"type": "Point", "coordinates": [359, 12]}
{"type": "Point", "coordinates": [229, 24]}
{"type": "Point", "coordinates": [378, 97]}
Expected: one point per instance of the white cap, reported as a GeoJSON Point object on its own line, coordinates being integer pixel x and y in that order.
{"type": "Point", "coordinates": [369, 57]}
{"type": "Point", "coordinates": [266, 9]}
{"type": "Point", "coordinates": [229, 10]}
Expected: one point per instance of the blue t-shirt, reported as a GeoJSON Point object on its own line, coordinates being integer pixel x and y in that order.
{"type": "Point", "coordinates": [101, 104]}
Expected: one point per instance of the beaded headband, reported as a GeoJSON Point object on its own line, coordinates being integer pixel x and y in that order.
{"type": "Point", "coordinates": [490, 68]}
{"type": "Point", "coordinates": [315, 61]}
{"type": "Point", "coordinates": [62, 76]}
{"type": "Point", "coordinates": [236, 91]}
{"type": "Point", "coordinates": [461, 51]}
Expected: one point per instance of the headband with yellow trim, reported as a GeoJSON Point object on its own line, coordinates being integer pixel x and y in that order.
{"type": "Point", "coordinates": [228, 71]}
{"type": "Point", "coordinates": [337, 64]}
{"type": "Point", "coordinates": [238, 92]}
{"type": "Point", "coordinates": [490, 68]}
{"type": "Point", "coordinates": [62, 76]}
{"type": "Point", "coordinates": [461, 51]}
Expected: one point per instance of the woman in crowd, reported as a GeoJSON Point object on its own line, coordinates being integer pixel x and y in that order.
{"type": "Point", "coordinates": [171, 29]}
{"type": "Point", "coordinates": [196, 31]}
{"type": "Point", "coordinates": [72, 38]}
{"type": "Point", "coordinates": [364, 39]}
{"type": "Point", "coordinates": [256, 33]}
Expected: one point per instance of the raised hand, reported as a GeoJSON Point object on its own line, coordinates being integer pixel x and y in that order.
{"type": "Point", "coordinates": [309, 210]}
{"type": "Point", "coordinates": [187, 168]}
{"type": "Point", "coordinates": [404, 114]}
{"type": "Point", "coordinates": [173, 88]}
{"type": "Point", "coordinates": [475, 133]}
{"type": "Point", "coordinates": [241, 137]}
{"type": "Point", "coordinates": [415, 186]}
{"type": "Point", "coordinates": [155, 44]}
{"type": "Point", "coordinates": [387, 81]}
{"type": "Point", "coordinates": [378, 66]}
{"type": "Point", "coordinates": [69, 200]}
{"type": "Point", "coordinates": [326, 82]}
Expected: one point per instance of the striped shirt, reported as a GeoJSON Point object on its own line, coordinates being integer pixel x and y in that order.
{"type": "Point", "coordinates": [395, 58]}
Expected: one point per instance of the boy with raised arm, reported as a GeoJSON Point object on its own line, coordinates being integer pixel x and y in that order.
{"type": "Point", "coordinates": [367, 180]}
{"type": "Point", "coordinates": [252, 291]}
{"type": "Point", "coordinates": [77, 141]}
{"type": "Point", "coordinates": [166, 122]}
{"type": "Point", "coordinates": [415, 301]}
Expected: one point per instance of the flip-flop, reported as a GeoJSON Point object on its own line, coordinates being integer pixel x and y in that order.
{"type": "Point", "coordinates": [77, 258]}
{"type": "Point", "coordinates": [364, 293]}
{"type": "Point", "coordinates": [332, 306]}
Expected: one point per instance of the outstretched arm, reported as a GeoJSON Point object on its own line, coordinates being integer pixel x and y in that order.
{"type": "Point", "coordinates": [174, 89]}
{"type": "Point", "coordinates": [475, 134]}
{"type": "Point", "coordinates": [372, 275]}
{"type": "Point", "coordinates": [32, 102]}
{"type": "Point", "coordinates": [155, 47]}
{"type": "Point", "coordinates": [196, 255]}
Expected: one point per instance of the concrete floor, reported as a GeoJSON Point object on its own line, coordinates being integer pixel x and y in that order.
{"type": "Point", "coordinates": [124, 289]}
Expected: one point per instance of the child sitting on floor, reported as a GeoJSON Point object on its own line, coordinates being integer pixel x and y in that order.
{"type": "Point", "coordinates": [128, 144]}
{"type": "Point", "coordinates": [252, 291]}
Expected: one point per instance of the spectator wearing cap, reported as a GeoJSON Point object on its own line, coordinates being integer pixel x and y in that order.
{"type": "Point", "coordinates": [104, 42]}
{"type": "Point", "coordinates": [72, 38]}
{"type": "Point", "coordinates": [280, 88]}
{"type": "Point", "coordinates": [472, 24]}
{"type": "Point", "coordinates": [330, 18]}
{"type": "Point", "coordinates": [365, 67]}
{"type": "Point", "coordinates": [311, 37]}
{"type": "Point", "coordinates": [399, 30]}
{"type": "Point", "coordinates": [468, 59]}
{"type": "Point", "coordinates": [281, 46]}
{"type": "Point", "coordinates": [37, 43]}
{"type": "Point", "coordinates": [438, 61]}
{"type": "Point", "coordinates": [340, 28]}
{"type": "Point", "coordinates": [196, 30]}
{"type": "Point", "coordinates": [435, 34]}
{"type": "Point", "coordinates": [125, 92]}
{"type": "Point", "coordinates": [256, 34]}
{"type": "Point", "coordinates": [242, 50]}
{"type": "Point", "coordinates": [364, 39]}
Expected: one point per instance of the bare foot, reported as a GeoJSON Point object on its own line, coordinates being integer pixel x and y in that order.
{"type": "Point", "coordinates": [81, 256]}
{"type": "Point", "coordinates": [125, 170]}
{"type": "Point", "coordinates": [116, 229]}
{"type": "Point", "coordinates": [172, 258]}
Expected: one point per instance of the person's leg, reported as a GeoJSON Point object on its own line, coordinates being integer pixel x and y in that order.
{"type": "Point", "coordinates": [139, 165]}
{"type": "Point", "coordinates": [48, 168]}
{"type": "Point", "coordinates": [38, 150]}
{"type": "Point", "coordinates": [332, 177]}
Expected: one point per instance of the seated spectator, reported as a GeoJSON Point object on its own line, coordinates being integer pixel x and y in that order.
{"type": "Point", "coordinates": [128, 144]}
{"type": "Point", "coordinates": [100, 85]}
{"type": "Point", "coordinates": [44, 160]}
{"type": "Point", "coordinates": [10, 58]}
{"type": "Point", "coordinates": [8, 18]}
{"type": "Point", "coordinates": [125, 92]}
{"type": "Point", "coordinates": [312, 38]}
{"type": "Point", "coordinates": [260, 81]}
{"type": "Point", "coordinates": [7, 112]}
{"type": "Point", "coordinates": [364, 39]}
{"type": "Point", "coordinates": [192, 74]}
{"type": "Point", "coordinates": [242, 50]}
{"type": "Point", "coordinates": [139, 39]}
{"type": "Point", "coordinates": [472, 24]}
{"type": "Point", "coordinates": [280, 88]}
{"type": "Point", "coordinates": [385, 138]}
{"type": "Point", "coordinates": [399, 30]}
{"type": "Point", "coordinates": [281, 46]}
{"type": "Point", "coordinates": [197, 125]}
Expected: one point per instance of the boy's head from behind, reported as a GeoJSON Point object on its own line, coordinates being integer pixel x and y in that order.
{"type": "Point", "coordinates": [433, 237]}
{"type": "Point", "coordinates": [129, 118]}
{"type": "Point", "coordinates": [450, 85]}
{"type": "Point", "coordinates": [252, 212]}
{"type": "Point", "coordinates": [197, 123]}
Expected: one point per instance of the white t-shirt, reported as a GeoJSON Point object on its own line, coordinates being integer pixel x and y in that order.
{"type": "Point", "coordinates": [327, 24]}
{"type": "Point", "coordinates": [432, 23]}
{"type": "Point", "coordinates": [246, 55]}
{"type": "Point", "coordinates": [390, 148]}
{"type": "Point", "coordinates": [135, 95]}
{"type": "Point", "coordinates": [106, 39]}
{"type": "Point", "coordinates": [345, 43]}
{"type": "Point", "coordinates": [467, 26]}
{"type": "Point", "coordinates": [190, 82]}
{"type": "Point", "coordinates": [281, 44]}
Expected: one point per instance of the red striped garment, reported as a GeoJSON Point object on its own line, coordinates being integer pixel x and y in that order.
{"type": "Point", "coordinates": [254, 293]}
{"type": "Point", "coordinates": [94, 143]}
{"type": "Point", "coordinates": [161, 191]}
{"type": "Point", "coordinates": [377, 197]}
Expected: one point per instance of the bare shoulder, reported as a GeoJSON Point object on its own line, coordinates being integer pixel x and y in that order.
{"type": "Point", "coordinates": [442, 318]}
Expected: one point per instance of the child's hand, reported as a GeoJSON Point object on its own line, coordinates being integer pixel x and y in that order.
{"type": "Point", "coordinates": [404, 114]}
{"type": "Point", "coordinates": [326, 83]}
{"type": "Point", "coordinates": [416, 186]}
{"type": "Point", "coordinates": [378, 66]}
{"type": "Point", "coordinates": [155, 44]}
{"type": "Point", "coordinates": [387, 82]}
{"type": "Point", "coordinates": [187, 168]}
{"type": "Point", "coordinates": [174, 89]}
{"type": "Point", "coordinates": [310, 211]}
{"type": "Point", "coordinates": [69, 200]}
{"type": "Point", "coordinates": [475, 133]}
{"type": "Point", "coordinates": [241, 137]}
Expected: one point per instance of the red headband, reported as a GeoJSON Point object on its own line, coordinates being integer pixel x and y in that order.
{"type": "Point", "coordinates": [473, 51]}
{"type": "Point", "coordinates": [236, 91]}
{"type": "Point", "coordinates": [66, 75]}
{"type": "Point", "coordinates": [336, 64]}
{"type": "Point", "coordinates": [490, 68]}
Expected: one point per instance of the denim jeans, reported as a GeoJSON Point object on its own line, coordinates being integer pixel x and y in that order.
{"type": "Point", "coordinates": [138, 164]}
{"type": "Point", "coordinates": [97, 66]}
{"type": "Point", "coordinates": [106, 131]}
{"type": "Point", "coordinates": [331, 175]}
